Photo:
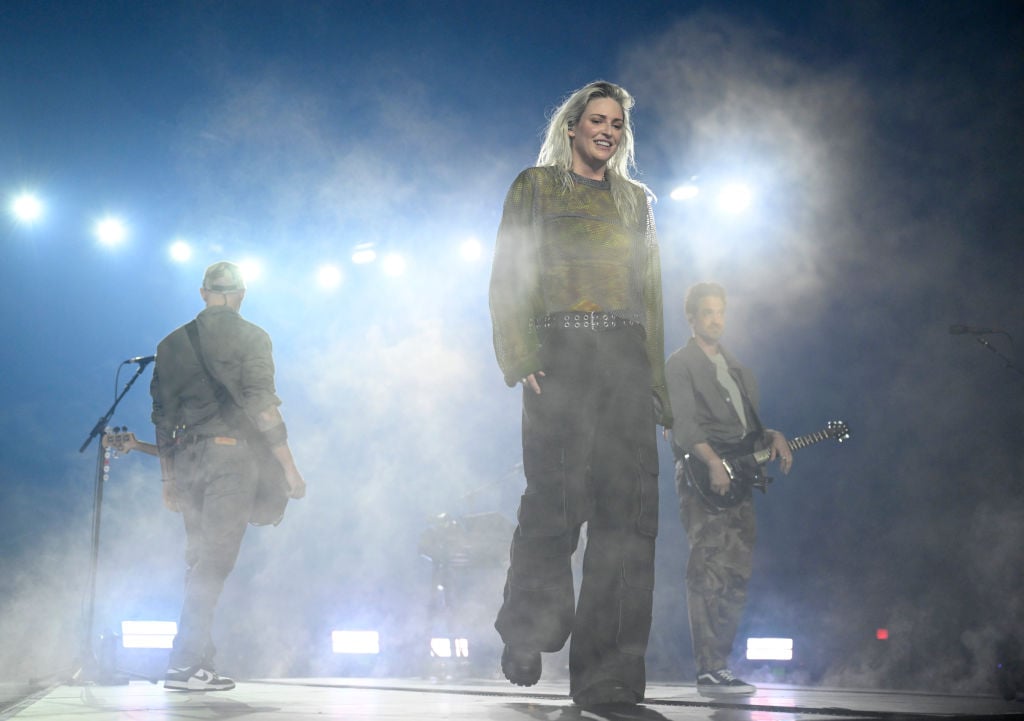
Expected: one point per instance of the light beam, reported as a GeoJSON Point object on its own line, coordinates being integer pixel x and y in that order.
{"type": "Point", "coordinates": [329, 276]}
{"type": "Point", "coordinates": [735, 198]}
{"type": "Point", "coordinates": [180, 251]}
{"type": "Point", "coordinates": [27, 208]}
{"type": "Point", "coordinates": [110, 231]}
{"type": "Point", "coordinates": [394, 264]}
{"type": "Point", "coordinates": [471, 249]}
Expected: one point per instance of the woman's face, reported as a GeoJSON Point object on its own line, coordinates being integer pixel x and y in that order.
{"type": "Point", "coordinates": [596, 137]}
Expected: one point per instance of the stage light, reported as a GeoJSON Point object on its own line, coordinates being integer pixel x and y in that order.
{"type": "Point", "coordinates": [882, 634]}
{"type": "Point", "coordinates": [180, 251]}
{"type": "Point", "coordinates": [734, 198]}
{"type": "Point", "coordinates": [442, 647]}
{"type": "Point", "coordinates": [363, 254]}
{"type": "Point", "coordinates": [148, 634]}
{"type": "Point", "coordinates": [110, 231]}
{"type": "Point", "coordinates": [27, 208]}
{"type": "Point", "coordinates": [471, 249]}
{"type": "Point", "coordinates": [394, 264]}
{"type": "Point", "coordinates": [329, 277]}
{"type": "Point", "coordinates": [687, 191]}
{"type": "Point", "coordinates": [770, 649]}
{"type": "Point", "coordinates": [355, 642]}
{"type": "Point", "coordinates": [252, 270]}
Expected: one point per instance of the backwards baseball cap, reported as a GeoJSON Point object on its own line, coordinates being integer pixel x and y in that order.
{"type": "Point", "coordinates": [224, 277]}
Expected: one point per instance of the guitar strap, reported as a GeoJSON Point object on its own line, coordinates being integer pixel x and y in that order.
{"type": "Point", "coordinates": [272, 490]}
{"type": "Point", "coordinates": [224, 397]}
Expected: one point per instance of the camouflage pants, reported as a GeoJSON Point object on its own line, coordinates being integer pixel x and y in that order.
{"type": "Point", "coordinates": [717, 573]}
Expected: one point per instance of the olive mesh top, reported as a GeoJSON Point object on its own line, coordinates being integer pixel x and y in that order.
{"type": "Point", "coordinates": [568, 250]}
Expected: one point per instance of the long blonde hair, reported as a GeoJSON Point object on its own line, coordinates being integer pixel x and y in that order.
{"type": "Point", "coordinates": [556, 150]}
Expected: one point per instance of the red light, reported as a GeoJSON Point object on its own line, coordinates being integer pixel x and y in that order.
{"type": "Point", "coordinates": [882, 634]}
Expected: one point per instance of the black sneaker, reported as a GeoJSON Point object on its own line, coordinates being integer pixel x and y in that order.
{"type": "Point", "coordinates": [196, 678]}
{"type": "Point", "coordinates": [722, 683]}
{"type": "Point", "coordinates": [520, 667]}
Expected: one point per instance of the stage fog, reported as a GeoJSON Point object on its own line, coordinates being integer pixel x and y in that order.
{"type": "Point", "coordinates": [885, 212]}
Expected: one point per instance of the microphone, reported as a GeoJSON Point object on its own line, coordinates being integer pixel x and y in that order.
{"type": "Point", "coordinates": [141, 359]}
{"type": "Point", "coordinates": [961, 329]}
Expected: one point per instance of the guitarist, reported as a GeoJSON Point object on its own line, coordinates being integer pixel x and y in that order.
{"type": "Point", "coordinates": [716, 402]}
{"type": "Point", "coordinates": [209, 470]}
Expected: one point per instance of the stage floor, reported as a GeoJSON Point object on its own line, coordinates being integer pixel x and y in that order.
{"type": "Point", "coordinates": [375, 699]}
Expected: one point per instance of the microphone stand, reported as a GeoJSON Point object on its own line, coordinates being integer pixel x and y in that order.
{"type": "Point", "coordinates": [89, 669]}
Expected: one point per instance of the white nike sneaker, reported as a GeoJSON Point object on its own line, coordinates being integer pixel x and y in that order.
{"type": "Point", "coordinates": [196, 678]}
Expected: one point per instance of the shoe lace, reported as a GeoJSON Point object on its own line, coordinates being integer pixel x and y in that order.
{"type": "Point", "coordinates": [726, 675]}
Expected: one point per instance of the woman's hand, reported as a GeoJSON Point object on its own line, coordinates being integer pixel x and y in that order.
{"type": "Point", "coordinates": [532, 381]}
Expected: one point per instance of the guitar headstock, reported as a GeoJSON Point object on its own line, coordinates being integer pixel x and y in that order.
{"type": "Point", "coordinates": [838, 430]}
{"type": "Point", "coordinates": [120, 439]}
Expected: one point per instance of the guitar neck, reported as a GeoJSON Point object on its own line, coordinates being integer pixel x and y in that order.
{"type": "Point", "coordinates": [149, 449]}
{"type": "Point", "coordinates": [795, 444]}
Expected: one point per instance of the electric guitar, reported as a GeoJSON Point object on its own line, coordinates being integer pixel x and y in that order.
{"type": "Point", "coordinates": [744, 462]}
{"type": "Point", "coordinates": [124, 441]}
{"type": "Point", "coordinates": [272, 493]}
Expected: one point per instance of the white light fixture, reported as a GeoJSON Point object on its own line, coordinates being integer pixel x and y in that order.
{"type": "Point", "coordinates": [27, 208]}
{"type": "Point", "coordinates": [110, 231]}
{"type": "Point", "coordinates": [471, 249]}
{"type": "Point", "coordinates": [363, 254]}
{"type": "Point", "coordinates": [355, 642]}
{"type": "Point", "coordinates": [148, 634]}
{"type": "Point", "coordinates": [770, 649]}
{"type": "Point", "coordinates": [394, 264]}
{"type": "Point", "coordinates": [443, 647]}
{"type": "Point", "coordinates": [689, 191]}
{"type": "Point", "coordinates": [251, 269]}
{"type": "Point", "coordinates": [329, 277]}
{"type": "Point", "coordinates": [734, 198]}
{"type": "Point", "coordinates": [180, 250]}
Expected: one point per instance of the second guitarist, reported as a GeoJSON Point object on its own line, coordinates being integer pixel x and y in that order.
{"type": "Point", "coordinates": [716, 402]}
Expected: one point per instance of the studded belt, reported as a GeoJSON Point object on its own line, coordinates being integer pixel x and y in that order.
{"type": "Point", "coordinates": [584, 321]}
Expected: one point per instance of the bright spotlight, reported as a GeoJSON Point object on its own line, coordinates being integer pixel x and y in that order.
{"type": "Point", "coordinates": [148, 634]}
{"type": "Point", "coordinates": [110, 231]}
{"type": "Point", "coordinates": [394, 264]}
{"type": "Point", "coordinates": [471, 249]}
{"type": "Point", "coordinates": [251, 269]}
{"type": "Point", "coordinates": [689, 191]}
{"type": "Point", "coordinates": [363, 254]}
{"type": "Point", "coordinates": [180, 251]}
{"type": "Point", "coordinates": [357, 642]}
{"type": "Point", "coordinates": [329, 277]}
{"type": "Point", "coordinates": [448, 647]}
{"type": "Point", "coordinates": [735, 198]}
{"type": "Point", "coordinates": [770, 649]}
{"type": "Point", "coordinates": [27, 208]}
